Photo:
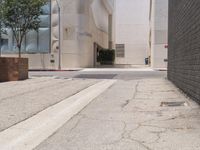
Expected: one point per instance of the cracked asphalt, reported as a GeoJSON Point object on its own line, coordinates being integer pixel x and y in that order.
{"type": "Point", "coordinates": [129, 116]}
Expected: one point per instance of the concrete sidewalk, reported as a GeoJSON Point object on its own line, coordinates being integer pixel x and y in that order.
{"type": "Point", "coordinates": [129, 116]}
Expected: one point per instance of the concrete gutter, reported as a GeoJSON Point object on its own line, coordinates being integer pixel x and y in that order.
{"type": "Point", "coordinates": [160, 69]}
{"type": "Point", "coordinates": [30, 133]}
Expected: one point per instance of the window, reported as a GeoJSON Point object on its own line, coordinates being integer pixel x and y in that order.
{"type": "Point", "coordinates": [120, 50]}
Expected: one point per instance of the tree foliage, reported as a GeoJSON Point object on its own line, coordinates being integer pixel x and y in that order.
{"type": "Point", "coordinates": [1, 23]}
{"type": "Point", "coordinates": [21, 16]}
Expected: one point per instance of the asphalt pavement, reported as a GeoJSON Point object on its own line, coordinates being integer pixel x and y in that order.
{"type": "Point", "coordinates": [97, 109]}
{"type": "Point", "coordinates": [145, 114]}
{"type": "Point", "coordinates": [104, 73]}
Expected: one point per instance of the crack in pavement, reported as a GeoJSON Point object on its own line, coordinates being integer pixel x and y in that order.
{"type": "Point", "coordinates": [133, 97]}
{"type": "Point", "coordinates": [126, 134]}
{"type": "Point", "coordinates": [77, 123]}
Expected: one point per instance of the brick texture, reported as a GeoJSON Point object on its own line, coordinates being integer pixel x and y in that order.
{"type": "Point", "coordinates": [13, 69]}
{"type": "Point", "coordinates": [184, 46]}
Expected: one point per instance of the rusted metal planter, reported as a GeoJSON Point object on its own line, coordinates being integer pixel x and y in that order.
{"type": "Point", "coordinates": [13, 69]}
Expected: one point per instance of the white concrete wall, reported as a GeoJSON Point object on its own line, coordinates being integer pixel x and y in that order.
{"type": "Point", "coordinates": [132, 29]}
{"type": "Point", "coordinates": [83, 23]}
{"type": "Point", "coordinates": [159, 32]}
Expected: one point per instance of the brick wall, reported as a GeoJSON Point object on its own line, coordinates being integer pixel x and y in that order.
{"type": "Point", "coordinates": [184, 46]}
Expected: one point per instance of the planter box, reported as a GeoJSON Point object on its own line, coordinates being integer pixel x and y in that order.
{"type": "Point", "coordinates": [13, 69]}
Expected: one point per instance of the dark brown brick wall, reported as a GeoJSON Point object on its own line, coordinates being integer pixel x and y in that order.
{"type": "Point", "coordinates": [184, 46]}
{"type": "Point", "coordinates": [12, 69]}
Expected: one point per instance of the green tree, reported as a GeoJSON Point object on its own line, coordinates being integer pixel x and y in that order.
{"type": "Point", "coordinates": [21, 16]}
{"type": "Point", "coordinates": [2, 31]}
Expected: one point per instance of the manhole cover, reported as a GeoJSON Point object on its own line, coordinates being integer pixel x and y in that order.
{"type": "Point", "coordinates": [96, 76]}
{"type": "Point", "coordinates": [173, 104]}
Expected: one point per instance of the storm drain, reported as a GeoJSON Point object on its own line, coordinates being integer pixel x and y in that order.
{"type": "Point", "coordinates": [173, 104]}
{"type": "Point", "coordinates": [96, 76]}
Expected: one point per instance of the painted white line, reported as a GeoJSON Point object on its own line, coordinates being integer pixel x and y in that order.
{"type": "Point", "coordinates": [30, 133]}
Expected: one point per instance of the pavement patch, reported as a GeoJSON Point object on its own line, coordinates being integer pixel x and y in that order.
{"type": "Point", "coordinates": [96, 76]}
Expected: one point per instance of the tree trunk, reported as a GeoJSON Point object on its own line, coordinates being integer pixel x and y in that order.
{"type": "Point", "coordinates": [0, 43]}
{"type": "Point", "coordinates": [19, 50]}
{"type": "Point", "coordinates": [0, 46]}
{"type": "Point", "coordinates": [0, 38]}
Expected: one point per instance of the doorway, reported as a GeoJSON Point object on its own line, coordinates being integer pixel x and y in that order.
{"type": "Point", "coordinates": [97, 48]}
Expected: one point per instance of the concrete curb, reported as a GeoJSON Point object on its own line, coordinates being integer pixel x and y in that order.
{"type": "Point", "coordinates": [116, 69]}
{"type": "Point", "coordinates": [55, 70]}
{"type": "Point", "coordinates": [160, 69]}
{"type": "Point", "coordinates": [31, 132]}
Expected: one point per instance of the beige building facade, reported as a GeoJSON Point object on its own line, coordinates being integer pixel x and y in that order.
{"type": "Point", "coordinates": [141, 32]}
{"type": "Point", "coordinates": [159, 33]}
{"type": "Point", "coordinates": [85, 26]}
{"type": "Point", "coordinates": [132, 31]}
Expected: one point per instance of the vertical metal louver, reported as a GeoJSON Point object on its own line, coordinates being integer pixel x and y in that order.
{"type": "Point", "coordinates": [120, 50]}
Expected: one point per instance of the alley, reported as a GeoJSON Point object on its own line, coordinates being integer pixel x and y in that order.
{"type": "Point", "coordinates": [130, 116]}
{"type": "Point", "coordinates": [142, 110]}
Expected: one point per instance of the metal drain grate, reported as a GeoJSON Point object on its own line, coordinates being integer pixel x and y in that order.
{"type": "Point", "coordinates": [173, 104]}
